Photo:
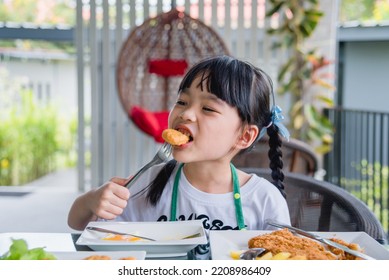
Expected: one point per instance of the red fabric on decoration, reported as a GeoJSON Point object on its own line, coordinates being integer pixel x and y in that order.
{"type": "Point", "coordinates": [151, 123]}
{"type": "Point", "coordinates": [162, 118]}
{"type": "Point", "coordinates": [168, 67]}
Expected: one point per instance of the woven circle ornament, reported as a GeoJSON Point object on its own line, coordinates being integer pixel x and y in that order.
{"type": "Point", "coordinates": [152, 62]}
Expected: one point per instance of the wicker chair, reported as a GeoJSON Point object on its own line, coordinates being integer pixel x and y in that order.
{"type": "Point", "coordinates": [321, 206]}
{"type": "Point", "coordinates": [297, 156]}
{"type": "Point", "coordinates": [153, 60]}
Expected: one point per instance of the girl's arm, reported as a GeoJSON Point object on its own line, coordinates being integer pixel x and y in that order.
{"type": "Point", "coordinates": [106, 202]}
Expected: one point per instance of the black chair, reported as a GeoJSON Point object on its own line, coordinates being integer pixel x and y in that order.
{"type": "Point", "coordinates": [321, 206]}
{"type": "Point", "coordinates": [297, 156]}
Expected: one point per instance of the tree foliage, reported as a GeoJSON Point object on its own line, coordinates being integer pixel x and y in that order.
{"type": "Point", "coordinates": [363, 10]}
{"type": "Point", "coordinates": [38, 11]}
{"type": "Point", "coordinates": [301, 75]}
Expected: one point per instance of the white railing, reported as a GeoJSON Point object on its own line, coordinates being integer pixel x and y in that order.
{"type": "Point", "coordinates": [117, 147]}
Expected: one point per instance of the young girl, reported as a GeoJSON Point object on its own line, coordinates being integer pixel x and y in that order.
{"type": "Point", "coordinates": [223, 105]}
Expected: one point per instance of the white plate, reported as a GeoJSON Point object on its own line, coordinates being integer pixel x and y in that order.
{"type": "Point", "coordinates": [223, 242]}
{"type": "Point", "coordinates": [138, 255]}
{"type": "Point", "coordinates": [167, 234]}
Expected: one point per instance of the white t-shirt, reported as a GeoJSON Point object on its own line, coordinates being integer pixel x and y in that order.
{"type": "Point", "coordinates": [260, 199]}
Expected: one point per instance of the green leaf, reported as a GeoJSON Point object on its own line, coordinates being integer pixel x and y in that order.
{"type": "Point", "coordinates": [272, 31]}
{"type": "Point", "coordinates": [276, 7]}
{"type": "Point", "coordinates": [323, 149]}
{"type": "Point", "coordinates": [37, 254]}
{"type": "Point", "coordinates": [329, 102]}
{"type": "Point", "coordinates": [313, 14]}
{"type": "Point", "coordinates": [284, 69]}
{"type": "Point", "coordinates": [314, 134]}
{"type": "Point", "coordinates": [19, 251]}
{"type": "Point", "coordinates": [310, 114]}
{"type": "Point", "coordinates": [297, 108]}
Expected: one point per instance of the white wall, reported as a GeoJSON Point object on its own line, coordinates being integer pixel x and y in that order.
{"type": "Point", "coordinates": [366, 76]}
{"type": "Point", "coordinates": [51, 80]}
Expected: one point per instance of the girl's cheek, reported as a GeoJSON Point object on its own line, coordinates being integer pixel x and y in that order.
{"type": "Point", "coordinates": [171, 117]}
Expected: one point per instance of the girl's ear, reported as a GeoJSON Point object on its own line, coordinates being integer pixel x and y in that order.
{"type": "Point", "coordinates": [249, 134]}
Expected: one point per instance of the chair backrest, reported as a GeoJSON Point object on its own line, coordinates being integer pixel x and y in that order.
{"type": "Point", "coordinates": [297, 157]}
{"type": "Point", "coordinates": [321, 206]}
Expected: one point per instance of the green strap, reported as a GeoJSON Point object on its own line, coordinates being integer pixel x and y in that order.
{"type": "Point", "coordinates": [237, 199]}
{"type": "Point", "coordinates": [236, 193]}
{"type": "Point", "coordinates": [173, 207]}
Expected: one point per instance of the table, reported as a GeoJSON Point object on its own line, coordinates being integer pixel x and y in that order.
{"type": "Point", "coordinates": [51, 241]}
{"type": "Point", "coordinates": [55, 242]}
{"type": "Point", "coordinates": [60, 242]}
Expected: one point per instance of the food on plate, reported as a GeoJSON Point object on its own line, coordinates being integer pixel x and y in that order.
{"type": "Point", "coordinates": [97, 257]}
{"type": "Point", "coordinates": [296, 247]}
{"type": "Point", "coordinates": [342, 254]}
{"type": "Point", "coordinates": [121, 237]}
{"type": "Point", "coordinates": [281, 256]}
{"type": "Point", "coordinates": [175, 137]}
{"type": "Point", "coordinates": [128, 258]}
{"type": "Point", "coordinates": [104, 257]}
{"type": "Point", "coordinates": [19, 251]}
{"type": "Point", "coordinates": [269, 256]}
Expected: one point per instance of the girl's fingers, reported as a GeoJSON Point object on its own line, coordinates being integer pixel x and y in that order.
{"type": "Point", "coordinates": [109, 212]}
{"type": "Point", "coordinates": [119, 181]}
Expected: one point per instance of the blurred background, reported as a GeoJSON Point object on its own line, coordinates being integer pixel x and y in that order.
{"type": "Point", "coordinates": [64, 126]}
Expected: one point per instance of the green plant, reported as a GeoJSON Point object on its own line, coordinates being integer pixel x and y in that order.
{"type": "Point", "coordinates": [371, 186]}
{"type": "Point", "coordinates": [28, 136]}
{"type": "Point", "coordinates": [301, 75]}
{"type": "Point", "coordinates": [33, 139]}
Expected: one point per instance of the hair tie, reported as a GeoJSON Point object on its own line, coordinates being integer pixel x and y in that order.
{"type": "Point", "coordinates": [276, 119]}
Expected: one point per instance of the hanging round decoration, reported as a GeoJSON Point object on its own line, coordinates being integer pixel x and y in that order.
{"type": "Point", "coordinates": [153, 60]}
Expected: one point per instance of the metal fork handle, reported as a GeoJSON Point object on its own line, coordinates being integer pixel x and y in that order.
{"type": "Point", "coordinates": [133, 179]}
{"type": "Point", "coordinates": [119, 233]}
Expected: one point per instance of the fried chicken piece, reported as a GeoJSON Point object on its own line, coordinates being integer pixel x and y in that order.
{"type": "Point", "coordinates": [97, 257]}
{"type": "Point", "coordinates": [174, 137]}
{"type": "Point", "coordinates": [128, 258]}
{"type": "Point", "coordinates": [284, 241]}
{"type": "Point", "coordinates": [342, 254]}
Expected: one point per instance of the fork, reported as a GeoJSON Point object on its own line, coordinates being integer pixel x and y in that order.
{"type": "Point", "coordinates": [162, 155]}
{"type": "Point", "coordinates": [99, 229]}
{"type": "Point", "coordinates": [252, 254]}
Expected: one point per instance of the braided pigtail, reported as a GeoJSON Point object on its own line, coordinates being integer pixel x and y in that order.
{"type": "Point", "coordinates": [275, 156]}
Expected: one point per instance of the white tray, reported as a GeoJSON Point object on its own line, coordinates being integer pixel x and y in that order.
{"type": "Point", "coordinates": [167, 234]}
{"type": "Point", "coordinates": [223, 242]}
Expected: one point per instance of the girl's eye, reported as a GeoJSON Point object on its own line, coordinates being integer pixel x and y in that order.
{"type": "Point", "coordinates": [180, 102]}
{"type": "Point", "coordinates": [208, 109]}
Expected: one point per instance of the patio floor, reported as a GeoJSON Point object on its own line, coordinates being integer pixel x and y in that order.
{"type": "Point", "coordinates": [40, 206]}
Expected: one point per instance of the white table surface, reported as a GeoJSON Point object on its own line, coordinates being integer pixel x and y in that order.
{"type": "Point", "coordinates": [61, 242]}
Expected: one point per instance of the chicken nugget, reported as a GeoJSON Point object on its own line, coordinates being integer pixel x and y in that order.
{"type": "Point", "coordinates": [174, 137]}
{"type": "Point", "coordinates": [97, 257]}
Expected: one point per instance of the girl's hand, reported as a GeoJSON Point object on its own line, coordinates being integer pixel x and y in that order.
{"type": "Point", "coordinates": [109, 201]}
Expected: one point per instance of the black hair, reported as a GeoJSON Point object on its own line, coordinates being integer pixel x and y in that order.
{"type": "Point", "coordinates": [240, 85]}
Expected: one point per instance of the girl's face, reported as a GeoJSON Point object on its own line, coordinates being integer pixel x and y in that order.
{"type": "Point", "coordinates": [213, 125]}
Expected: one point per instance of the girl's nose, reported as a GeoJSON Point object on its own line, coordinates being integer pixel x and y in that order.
{"type": "Point", "coordinates": [188, 115]}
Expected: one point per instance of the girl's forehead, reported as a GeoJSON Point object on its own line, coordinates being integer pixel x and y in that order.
{"type": "Point", "coordinates": [202, 93]}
